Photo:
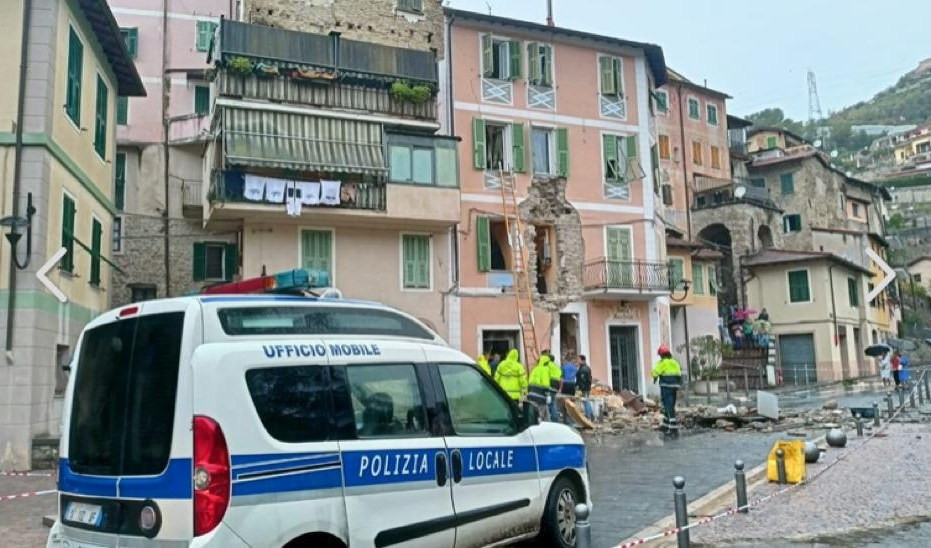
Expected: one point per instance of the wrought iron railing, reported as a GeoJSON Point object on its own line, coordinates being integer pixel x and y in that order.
{"type": "Point", "coordinates": [606, 274]}
{"type": "Point", "coordinates": [228, 186]}
{"type": "Point", "coordinates": [704, 183]}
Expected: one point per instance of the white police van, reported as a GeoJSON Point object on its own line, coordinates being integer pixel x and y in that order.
{"type": "Point", "coordinates": [270, 420]}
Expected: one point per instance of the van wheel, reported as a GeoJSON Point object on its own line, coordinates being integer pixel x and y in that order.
{"type": "Point", "coordinates": [559, 514]}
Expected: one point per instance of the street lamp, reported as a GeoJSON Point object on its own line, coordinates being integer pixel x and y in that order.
{"type": "Point", "coordinates": [16, 225]}
{"type": "Point", "coordinates": [685, 292]}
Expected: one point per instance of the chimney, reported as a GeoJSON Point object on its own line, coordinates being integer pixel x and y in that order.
{"type": "Point", "coordinates": [549, 13]}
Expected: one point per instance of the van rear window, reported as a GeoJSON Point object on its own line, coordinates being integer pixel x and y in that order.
{"type": "Point", "coordinates": [124, 396]}
{"type": "Point", "coordinates": [294, 320]}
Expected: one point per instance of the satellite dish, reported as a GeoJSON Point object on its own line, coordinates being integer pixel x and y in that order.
{"type": "Point", "coordinates": [833, 154]}
{"type": "Point", "coordinates": [740, 191]}
{"type": "Point", "coordinates": [817, 143]}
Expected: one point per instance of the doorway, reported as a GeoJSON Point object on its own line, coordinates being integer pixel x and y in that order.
{"type": "Point", "coordinates": [501, 341]}
{"type": "Point", "coordinates": [844, 353]}
{"type": "Point", "coordinates": [797, 356]}
{"type": "Point", "coordinates": [625, 362]}
{"type": "Point", "coordinates": [858, 350]}
{"type": "Point", "coordinates": [568, 336]}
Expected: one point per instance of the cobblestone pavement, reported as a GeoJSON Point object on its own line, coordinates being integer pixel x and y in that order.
{"type": "Point", "coordinates": [21, 519]}
{"type": "Point", "coordinates": [881, 485]}
{"type": "Point", "coordinates": [632, 475]}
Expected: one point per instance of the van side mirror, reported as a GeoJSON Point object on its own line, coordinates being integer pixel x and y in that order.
{"type": "Point", "coordinates": [529, 415]}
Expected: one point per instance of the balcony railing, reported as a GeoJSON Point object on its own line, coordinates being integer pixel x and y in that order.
{"type": "Point", "coordinates": [608, 274]}
{"type": "Point", "coordinates": [189, 129]}
{"type": "Point", "coordinates": [704, 183]}
{"type": "Point", "coordinates": [192, 194]}
{"type": "Point", "coordinates": [228, 187]}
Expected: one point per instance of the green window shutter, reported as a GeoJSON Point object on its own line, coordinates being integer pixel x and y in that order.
{"type": "Point", "coordinates": [533, 63]}
{"type": "Point", "coordinates": [96, 231]}
{"type": "Point", "coordinates": [67, 234]}
{"type": "Point", "coordinates": [201, 100]}
{"type": "Point", "coordinates": [546, 73]}
{"type": "Point", "coordinates": [517, 147]}
{"type": "Point", "coordinates": [75, 75]}
{"type": "Point", "coordinates": [478, 143]}
{"type": "Point", "coordinates": [698, 279]}
{"type": "Point", "coordinates": [515, 58]}
{"type": "Point", "coordinates": [199, 262]}
{"type": "Point", "coordinates": [676, 272]}
{"type": "Point", "coordinates": [100, 125]}
{"type": "Point", "coordinates": [488, 56]}
{"type": "Point", "coordinates": [787, 183]}
{"type": "Point", "coordinates": [853, 292]}
{"type": "Point", "coordinates": [770, 142]}
{"type": "Point", "coordinates": [231, 261]}
{"type": "Point", "coordinates": [662, 102]}
{"type": "Point", "coordinates": [758, 182]}
{"type": "Point", "coordinates": [122, 111]}
{"type": "Point", "coordinates": [410, 265]}
{"type": "Point", "coordinates": [632, 146]}
{"type": "Point", "coordinates": [712, 280]}
{"type": "Point", "coordinates": [131, 40]}
{"type": "Point", "coordinates": [204, 34]}
{"type": "Point", "coordinates": [618, 77]}
{"type": "Point", "coordinates": [798, 287]}
{"type": "Point", "coordinates": [483, 238]}
{"type": "Point", "coordinates": [119, 190]}
{"type": "Point", "coordinates": [606, 68]}
{"type": "Point", "coordinates": [562, 151]}
{"type": "Point", "coordinates": [317, 251]}
{"type": "Point", "coordinates": [609, 145]}
{"type": "Point", "coordinates": [416, 256]}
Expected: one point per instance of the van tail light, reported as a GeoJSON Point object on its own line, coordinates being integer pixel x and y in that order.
{"type": "Point", "coordinates": [211, 475]}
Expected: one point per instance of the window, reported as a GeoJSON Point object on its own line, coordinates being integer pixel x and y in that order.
{"type": "Point", "coordinates": [96, 234]}
{"type": "Point", "coordinates": [873, 304]}
{"type": "Point", "coordinates": [694, 109]}
{"type": "Point", "coordinates": [117, 244]}
{"type": "Point", "coordinates": [758, 182]}
{"type": "Point", "coordinates": [698, 279]}
{"type": "Point", "coordinates": [67, 234]}
{"type": "Point", "coordinates": [100, 120]}
{"type": "Point", "coordinates": [715, 157]}
{"type": "Point", "coordinates": [422, 160]}
{"type": "Point", "coordinates": [787, 183]}
{"type": "Point", "coordinates": [501, 59]}
{"type": "Point", "coordinates": [214, 261]}
{"type": "Point", "coordinates": [917, 278]}
{"type": "Point", "coordinates": [611, 76]}
{"type": "Point", "coordinates": [792, 223]}
{"type": "Point", "coordinates": [317, 252]}
{"type": "Point", "coordinates": [492, 245]}
{"type": "Point", "coordinates": [141, 293]}
{"type": "Point", "coordinates": [696, 153]}
{"type": "Point", "coordinates": [712, 114]}
{"type": "Point", "coordinates": [131, 40]}
{"type": "Point", "coordinates": [414, 6]}
{"type": "Point", "coordinates": [541, 146]}
{"type": "Point", "coordinates": [476, 408]}
{"type": "Point", "coordinates": [122, 111]}
{"type": "Point", "coordinates": [855, 207]}
{"type": "Point", "coordinates": [771, 142]}
{"type": "Point", "coordinates": [853, 292]}
{"type": "Point", "coordinates": [664, 150]}
{"type": "Point", "coordinates": [540, 64]}
{"type": "Point", "coordinates": [386, 400]}
{"type": "Point", "coordinates": [62, 355]}
{"type": "Point", "coordinates": [662, 101]}
{"type": "Point", "coordinates": [488, 145]}
{"type": "Point", "coordinates": [676, 272]}
{"type": "Point", "coordinates": [205, 30]}
{"type": "Point", "coordinates": [415, 251]}
{"type": "Point", "coordinates": [799, 291]}
{"type": "Point", "coordinates": [921, 148]}
{"type": "Point", "coordinates": [319, 320]}
{"type": "Point", "coordinates": [75, 74]}
{"type": "Point", "coordinates": [119, 186]}
{"type": "Point", "coordinates": [712, 280]}
{"type": "Point", "coordinates": [293, 403]}
{"type": "Point", "coordinates": [201, 100]}
{"type": "Point", "coordinates": [619, 155]}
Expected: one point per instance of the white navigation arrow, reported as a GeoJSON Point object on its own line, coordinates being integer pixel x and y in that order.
{"type": "Point", "coordinates": [890, 275]}
{"type": "Point", "coordinates": [41, 274]}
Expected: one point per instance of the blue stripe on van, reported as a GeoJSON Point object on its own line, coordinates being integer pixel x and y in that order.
{"type": "Point", "coordinates": [385, 466]}
{"type": "Point", "coordinates": [269, 458]}
{"type": "Point", "coordinates": [285, 465]}
{"type": "Point", "coordinates": [77, 484]}
{"type": "Point", "coordinates": [557, 457]}
{"type": "Point", "coordinates": [497, 461]}
{"type": "Point", "coordinates": [324, 478]}
{"type": "Point", "coordinates": [173, 483]}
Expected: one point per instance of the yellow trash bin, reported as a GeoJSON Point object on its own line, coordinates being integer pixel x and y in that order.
{"type": "Point", "coordinates": [794, 457]}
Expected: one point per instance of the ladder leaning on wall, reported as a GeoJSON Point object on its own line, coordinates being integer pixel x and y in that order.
{"type": "Point", "coordinates": [519, 257]}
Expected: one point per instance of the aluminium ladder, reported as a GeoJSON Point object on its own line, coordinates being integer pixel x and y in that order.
{"type": "Point", "coordinates": [522, 287]}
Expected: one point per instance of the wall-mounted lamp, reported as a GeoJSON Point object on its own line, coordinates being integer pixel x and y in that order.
{"type": "Point", "coordinates": [685, 284]}
{"type": "Point", "coordinates": [17, 225]}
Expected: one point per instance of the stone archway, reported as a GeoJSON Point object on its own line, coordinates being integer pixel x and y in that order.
{"type": "Point", "coordinates": [718, 236]}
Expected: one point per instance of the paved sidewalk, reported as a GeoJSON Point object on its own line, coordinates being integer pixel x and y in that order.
{"type": "Point", "coordinates": [21, 519]}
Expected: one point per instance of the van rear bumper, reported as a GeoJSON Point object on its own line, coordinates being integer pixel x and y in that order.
{"type": "Point", "coordinates": [61, 536]}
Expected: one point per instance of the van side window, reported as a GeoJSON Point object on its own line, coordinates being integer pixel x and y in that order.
{"type": "Point", "coordinates": [386, 400]}
{"type": "Point", "coordinates": [475, 407]}
{"type": "Point", "coordinates": [293, 403]}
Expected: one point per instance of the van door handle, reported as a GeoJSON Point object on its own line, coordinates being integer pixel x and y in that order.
{"type": "Point", "coordinates": [441, 472]}
{"type": "Point", "coordinates": [457, 466]}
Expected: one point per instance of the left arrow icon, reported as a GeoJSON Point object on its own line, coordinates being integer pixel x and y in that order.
{"type": "Point", "coordinates": [41, 275]}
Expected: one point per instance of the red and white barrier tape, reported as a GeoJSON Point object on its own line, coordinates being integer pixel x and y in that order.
{"type": "Point", "coordinates": [4, 498]}
{"type": "Point", "coordinates": [759, 501]}
{"type": "Point", "coordinates": [28, 474]}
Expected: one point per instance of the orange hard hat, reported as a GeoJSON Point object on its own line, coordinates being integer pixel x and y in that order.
{"type": "Point", "coordinates": [663, 349]}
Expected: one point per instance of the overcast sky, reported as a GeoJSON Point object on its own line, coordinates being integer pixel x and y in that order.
{"type": "Point", "coordinates": [759, 52]}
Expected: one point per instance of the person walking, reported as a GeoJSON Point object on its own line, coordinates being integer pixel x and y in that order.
{"type": "Point", "coordinates": [904, 373]}
{"type": "Point", "coordinates": [494, 361]}
{"type": "Point", "coordinates": [482, 362]}
{"type": "Point", "coordinates": [583, 381]}
{"type": "Point", "coordinates": [539, 390]}
{"type": "Point", "coordinates": [885, 369]}
{"type": "Point", "coordinates": [669, 375]}
{"type": "Point", "coordinates": [569, 370]}
{"type": "Point", "coordinates": [511, 376]}
{"type": "Point", "coordinates": [896, 363]}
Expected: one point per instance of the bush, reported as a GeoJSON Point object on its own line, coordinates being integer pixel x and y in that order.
{"type": "Point", "coordinates": [417, 94]}
{"type": "Point", "coordinates": [241, 65]}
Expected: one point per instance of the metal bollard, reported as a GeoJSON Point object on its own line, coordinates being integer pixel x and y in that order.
{"type": "Point", "coordinates": [682, 514]}
{"type": "Point", "coordinates": [901, 398]}
{"type": "Point", "coordinates": [781, 466]}
{"type": "Point", "coordinates": [921, 395]}
{"type": "Point", "coordinates": [888, 399]}
{"type": "Point", "coordinates": [875, 413]}
{"type": "Point", "coordinates": [927, 387]}
{"type": "Point", "coordinates": [911, 399]}
{"type": "Point", "coordinates": [583, 527]}
{"type": "Point", "coordinates": [859, 428]}
{"type": "Point", "coordinates": [740, 481]}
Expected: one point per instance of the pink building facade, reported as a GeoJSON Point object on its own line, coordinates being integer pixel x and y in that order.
{"type": "Point", "coordinates": [568, 115]}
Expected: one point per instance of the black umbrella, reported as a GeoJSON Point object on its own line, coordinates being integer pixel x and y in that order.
{"type": "Point", "coordinates": [877, 350]}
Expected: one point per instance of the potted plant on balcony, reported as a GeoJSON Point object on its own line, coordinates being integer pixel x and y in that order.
{"type": "Point", "coordinates": [241, 65]}
{"type": "Point", "coordinates": [405, 92]}
{"type": "Point", "coordinates": [706, 352]}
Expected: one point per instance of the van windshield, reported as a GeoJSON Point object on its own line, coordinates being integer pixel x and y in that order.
{"type": "Point", "coordinates": [124, 396]}
{"type": "Point", "coordinates": [304, 320]}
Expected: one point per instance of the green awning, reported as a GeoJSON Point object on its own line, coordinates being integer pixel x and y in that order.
{"type": "Point", "coordinates": [263, 138]}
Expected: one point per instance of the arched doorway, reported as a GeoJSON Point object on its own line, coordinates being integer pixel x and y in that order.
{"type": "Point", "coordinates": [765, 235]}
{"type": "Point", "coordinates": [718, 236]}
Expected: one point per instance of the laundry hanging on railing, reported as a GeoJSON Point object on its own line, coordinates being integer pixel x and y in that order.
{"type": "Point", "coordinates": [329, 192]}
{"type": "Point", "coordinates": [310, 192]}
{"type": "Point", "coordinates": [293, 199]}
{"type": "Point", "coordinates": [254, 188]}
{"type": "Point", "coordinates": [274, 190]}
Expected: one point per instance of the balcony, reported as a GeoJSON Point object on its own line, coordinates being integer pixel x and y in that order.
{"type": "Point", "coordinates": [717, 192]}
{"type": "Point", "coordinates": [193, 128]}
{"type": "Point", "coordinates": [627, 280]}
{"type": "Point", "coordinates": [192, 195]}
{"type": "Point", "coordinates": [704, 183]}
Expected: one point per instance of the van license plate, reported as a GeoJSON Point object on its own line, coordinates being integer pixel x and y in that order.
{"type": "Point", "coordinates": [88, 514]}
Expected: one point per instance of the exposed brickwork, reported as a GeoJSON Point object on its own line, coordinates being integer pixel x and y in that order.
{"type": "Point", "coordinates": [377, 21]}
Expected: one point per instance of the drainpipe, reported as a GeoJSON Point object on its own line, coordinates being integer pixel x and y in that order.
{"type": "Point", "coordinates": [450, 106]}
{"type": "Point", "coordinates": [833, 305]}
{"type": "Point", "coordinates": [17, 171]}
{"type": "Point", "coordinates": [685, 165]}
{"type": "Point", "coordinates": [166, 88]}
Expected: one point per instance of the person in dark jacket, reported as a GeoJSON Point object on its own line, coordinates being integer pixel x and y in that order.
{"type": "Point", "coordinates": [583, 382]}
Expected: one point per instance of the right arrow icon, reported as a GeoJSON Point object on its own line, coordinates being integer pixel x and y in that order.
{"type": "Point", "coordinates": [890, 275]}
